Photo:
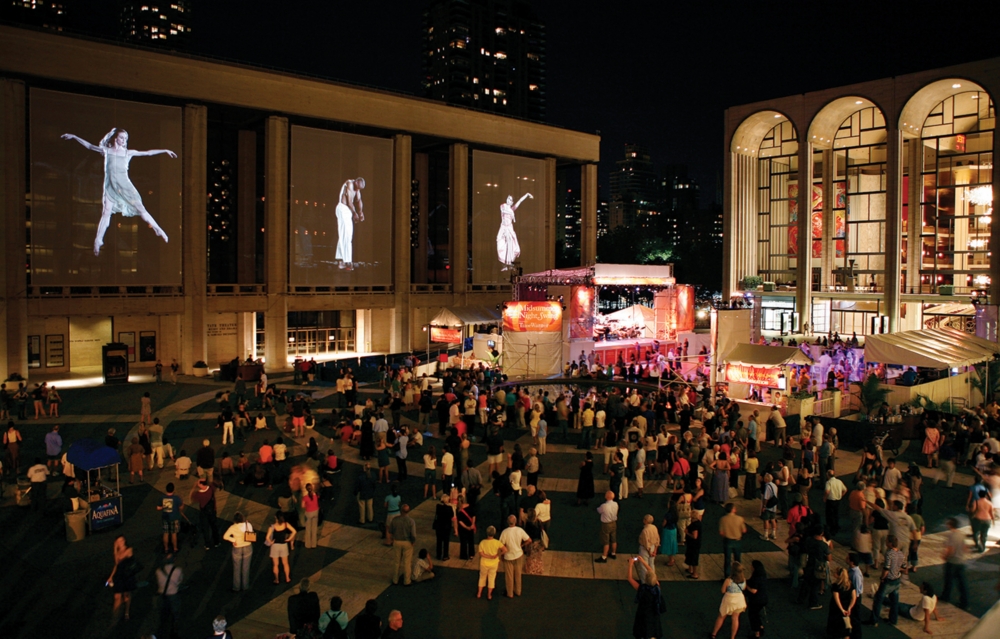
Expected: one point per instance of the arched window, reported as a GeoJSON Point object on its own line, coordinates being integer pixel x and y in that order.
{"type": "Point", "coordinates": [777, 172]}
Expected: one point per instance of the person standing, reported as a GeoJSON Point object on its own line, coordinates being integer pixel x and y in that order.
{"type": "Point", "coordinates": [513, 539]}
{"type": "Point", "coordinates": [204, 496]}
{"type": "Point", "coordinates": [444, 523]}
{"type": "Point", "coordinates": [53, 448]}
{"type": "Point", "coordinates": [12, 439]}
{"type": "Point", "coordinates": [173, 374]}
{"type": "Point", "coordinates": [240, 535]}
{"type": "Point", "coordinates": [833, 492]}
{"type": "Point", "coordinates": [649, 544]}
{"type": "Point", "coordinates": [38, 475]}
{"type": "Point", "coordinates": [146, 409]}
{"type": "Point", "coordinates": [843, 599]}
{"type": "Point", "coordinates": [158, 372]}
{"type": "Point", "coordinates": [171, 508]}
{"type": "Point", "coordinates": [955, 558]}
{"type": "Point", "coordinates": [465, 519]}
{"type": "Point", "coordinates": [649, 601]}
{"type": "Point", "coordinates": [310, 504]}
{"type": "Point", "coordinates": [303, 609]}
{"type": "Point", "coordinates": [279, 536]}
{"type": "Point", "coordinates": [756, 596]}
{"type": "Point", "coordinates": [364, 489]}
{"type": "Point", "coordinates": [892, 574]}
{"type": "Point", "coordinates": [858, 584]}
{"type": "Point", "coordinates": [769, 508]}
{"type": "Point", "coordinates": [732, 527]}
{"type": "Point", "coordinates": [981, 517]}
{"type": "Point", "coordinates": [817, 552]}
{"type": "Point", "coordinates": [490, 551]}
{"type": "Point", "coordinates": [394, 626]}
{"type": "Point", "coordinates": [609, 527]}
{"type": "Point", "coordinates": [401, 452]}
{"type": "Point", "coordinates": [122, 579]}
{"type": "Point", "coordinates": [734, 601]}
{"type": "Point", "coordinates": [402, 532]}
{"type": "Point", "coordinates": [205, 458]}
{"type": "Point", "coordinates": [335, 615]}
{"type": "Point", "coordinates": [169, 577]}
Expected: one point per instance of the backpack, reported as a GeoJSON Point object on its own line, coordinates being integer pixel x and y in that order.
{"type": "Point", "coordinates": [333, 629]}
{"type": "Point", "coordinates": [772, 501]}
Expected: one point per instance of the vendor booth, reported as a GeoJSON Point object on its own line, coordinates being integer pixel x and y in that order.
{"type": "Point", "coordinates": [452, 326]}
{"type": "Point", "coordinates": [102, 496]}
{"type": "Point", "coordinates": [946, 357]}
{"type": "Point", "coordinates": [761, 371]}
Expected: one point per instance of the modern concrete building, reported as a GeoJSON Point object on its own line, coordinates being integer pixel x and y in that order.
{"type": "Point", "coordinates": [887, 186]}
{"type": "Point", "coordinates": [282, 134]}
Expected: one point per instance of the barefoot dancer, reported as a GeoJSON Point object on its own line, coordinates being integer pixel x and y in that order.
{"type": "Point", "coordinates": [120, 195]}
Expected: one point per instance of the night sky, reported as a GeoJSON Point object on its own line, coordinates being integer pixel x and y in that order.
{"type": "Point", "coordinates": [658, 73]}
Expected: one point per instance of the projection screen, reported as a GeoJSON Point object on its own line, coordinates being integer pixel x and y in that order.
{"type": "Point", "coordinates": [105, 191]}
{"type": "Point", "coordinates": [341, 209]}
{"type": "Point", "coordinates": [508, 216]}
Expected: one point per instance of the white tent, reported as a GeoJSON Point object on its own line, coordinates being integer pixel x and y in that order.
{"type": "Point", "coordinates": [458, 316]}
{"type": "Point", "coordinates": [637, 315]}
{"type": "Point", "coordinates": [762, 355]}
{"type": "Point", "coordinates": [930, 348]}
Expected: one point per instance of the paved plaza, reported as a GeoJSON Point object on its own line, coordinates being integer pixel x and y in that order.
{"type": "Point", "coordinates": [54, 588]}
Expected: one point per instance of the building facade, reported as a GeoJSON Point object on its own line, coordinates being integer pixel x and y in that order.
{"type": "Point", "coordinates": [868, 207]}
{"type": "Point", "coordinates": [636, 193]}
{"type": "Point", "coordinates": [485, 54]}
{"type": "Point", "coordinates": [231, 211]}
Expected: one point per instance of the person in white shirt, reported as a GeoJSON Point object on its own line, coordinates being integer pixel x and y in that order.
{"type": "Point", "coordinates": [513, 538]}
{"type": "Point", "coordinates": [280, 450]}
{"type": "Point", "coordinates": [923, 610]}
{"type": "Point", "coordinates": [381, 427]}
{"type": "Point", "coordinates": [182, 465]}
{"type": "Point", "coordinates": [833, 492]}
{"type": "Point", "coordinates": [38, 474]}
{"type": "Point", "coordinates": [891, 477]}
{"type": "Point", "coordinates": [242, 551]}
{"type": "Point", "coordinates": [609, 527]}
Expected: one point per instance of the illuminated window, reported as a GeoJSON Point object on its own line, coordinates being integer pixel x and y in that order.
{"type": "Point", "coordinates": [500, 31]}
{"type": "Point", "coordinates": [500, 55]}
{"type": "Point", "coordinates": [532, 56]}
{"type": "Point", "coordinates": [145, 8]}
{"type": "Point", "coordinates": [475, 80]}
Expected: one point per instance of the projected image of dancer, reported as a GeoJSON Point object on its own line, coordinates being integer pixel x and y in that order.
{"type": "Point", "coordinates": [350, 209]}
{"type": "Point", "coordinates": [120, 195]}
{"type": "Point", "coordinates": [508, 250]}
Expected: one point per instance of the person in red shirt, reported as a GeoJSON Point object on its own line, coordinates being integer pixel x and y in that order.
{"type": "Point", "coordinates": [266, 453]}
{"type": "Point", "coordinates": [310, 503]}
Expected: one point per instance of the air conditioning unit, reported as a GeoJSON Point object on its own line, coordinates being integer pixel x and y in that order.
{"type": "Point", "coordinates": [769, 287]}
{"type": "Point", "coordinates": [946, 289]}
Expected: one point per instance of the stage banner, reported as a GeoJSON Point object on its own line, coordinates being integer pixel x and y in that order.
{"type": "Point", "coordinates": [581, 313]}
{"type": "Point", "coordinates": [533, 317]}
{"type": "Point", "coordinates": [757, 375]}
{"type": "Point", "coordinates": [446, 335]}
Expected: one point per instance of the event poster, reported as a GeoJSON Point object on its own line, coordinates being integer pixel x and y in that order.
{"type": "Point", "coordinates": [581, 313]}
{"type": "Point", "coordinates": [106, 187]}
{"type": "Point", "coordinates": [508, 216]}
{"type": "Point", "coordinates": [340, 227]}
{"type": "Point", "coordinates": [839, 217]}
{"type": "Point", "coordinates": [532, 317]}
{"type": "Point", "coordinates": [767, 376]}
{"type": "Point", "coordinates": [442, 335]}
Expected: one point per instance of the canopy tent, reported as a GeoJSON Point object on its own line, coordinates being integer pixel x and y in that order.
{"type": "Point", "coordinates": [761, 355]}
{"type": "Point", "coordinates": [637, 315]}
{"type": "Point", "coordinates": [930, 348]}
{"type": "Point", "coordinates": [461, 315]}
{"type": "Point", "coordinates": [90, 454]}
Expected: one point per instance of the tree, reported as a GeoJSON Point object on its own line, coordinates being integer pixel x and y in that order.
{"type": "Point", "coordinates": [872, 394]}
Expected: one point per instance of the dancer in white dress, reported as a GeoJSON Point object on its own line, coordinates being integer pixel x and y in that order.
{"type": "Point", "coordinates": [120, 195]}
{"type": "Point", "coordinates": [508, 249]}
{"type": "Point", "coordinates": [350, 209]}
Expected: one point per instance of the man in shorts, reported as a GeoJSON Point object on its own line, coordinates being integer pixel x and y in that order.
{"type": "Point", "coordinates": [171, 507]}
{"type": "Point", "coordinates": [494, 450]}
{"type": "Point", "coordinates": [769, 508]}
{"type": "Point", "coordinates": [609, 527]}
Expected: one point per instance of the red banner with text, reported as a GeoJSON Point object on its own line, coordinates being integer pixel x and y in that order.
{"type": "Point", "coordinates": [756, 375]}
{"type": "Point", "coordinates": [533, 317]}
{"type": "Point", "coordinates": [446, 335]}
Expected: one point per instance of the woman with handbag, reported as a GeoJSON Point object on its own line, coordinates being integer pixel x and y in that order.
{"type": "Point", "coordinates": [843, 598]}
{"type": "Point", "coordinates": [733, 600]}
{"type": "Point", "coordinates": [122, 580]}
{"type": "Point", "coordinates": [241, 535]}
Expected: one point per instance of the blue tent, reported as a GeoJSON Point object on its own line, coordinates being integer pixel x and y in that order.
{"type": "Point", "coordinates": [90, 454]}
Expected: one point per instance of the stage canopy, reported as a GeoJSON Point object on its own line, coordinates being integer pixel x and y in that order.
{"type": "Point", "coordinates": [930, 348]}
{"type": "Point", "coordinates": [761, 355]}
{"type": "Point", "coordinates": [636, 315]}
{"type": "Point", "coordinates": [90, 454]}
{"type": "Point", "coordinates": [649, 275]}
{"type": "Point", "coordinates": [462, 315]}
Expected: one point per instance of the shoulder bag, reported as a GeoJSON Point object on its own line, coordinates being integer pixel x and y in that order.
{"type": "Point", "coordinates": [249, 534]}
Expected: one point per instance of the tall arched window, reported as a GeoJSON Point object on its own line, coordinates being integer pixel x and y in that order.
{"type": "Point", "coordinates": [777, 171]}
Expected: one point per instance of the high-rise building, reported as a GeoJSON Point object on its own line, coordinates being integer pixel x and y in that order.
{"type": "Point", "coordinates": [635, 190]}
{"type": "Point", "coordinates": [48, 14]}
{"type": "Point", "coordinates": [485, 54]}
{"type": "Point", "coordinates": [163, 23]}
{"type": "Point", "coordinates": [679, 204]}
{"type": "Point", "coordinates": [603, 216]}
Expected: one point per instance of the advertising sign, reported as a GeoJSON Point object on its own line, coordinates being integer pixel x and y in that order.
{"type": "Point", "coordinates": [446, 335]}
{"type": "Point", "coordinates": [106, 513]}
{"type": "Point", "coordinates": [115, 363]}
{"type": "Point", "coordinates": [533, 317]}
{"type": "Point", "coordinates": [756, 375]}
{"type": "Point", "coordinates": [581, 312]}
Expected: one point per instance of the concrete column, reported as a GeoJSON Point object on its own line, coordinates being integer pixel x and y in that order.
{"type": "Point", "coordinates": [421, 173]}
{"type": "Point", "coordinates": [995, 228]}
{"type": "Point", "coordinates": [829, 222]}
{"type": "Point", "coordinates": [588, 214]}
{"type": "Point", "coordinates": [194, 342]}
{"type": "Point", "coordinates": [458, 205]}
{"type": "Point", "coordinates": [246, 208]}
{"type": "Point", "coordinates": [803, 262]}
{"type": "Point", "coordinates": [728, 213]}
{"type": "Point", "coordinates": [402, 173]}
{"type": "Point", "coordinates": [13, 283]}
{"type": "Point", "coordinates": [915, 216]}
{"type": "Point", "coordinates": [893, 222]}
{"type": "Point", "coordinates": [246, 335]}
{"type": "Point", "coordinates": [276, 243]}
{"type": "Point", "coordinates": [550, 213]}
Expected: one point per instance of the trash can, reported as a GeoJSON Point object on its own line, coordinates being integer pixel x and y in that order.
{"type": "Point", "coordinates": [22, 496]}
{"type": "Point", "coordinates": [76, 524]}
